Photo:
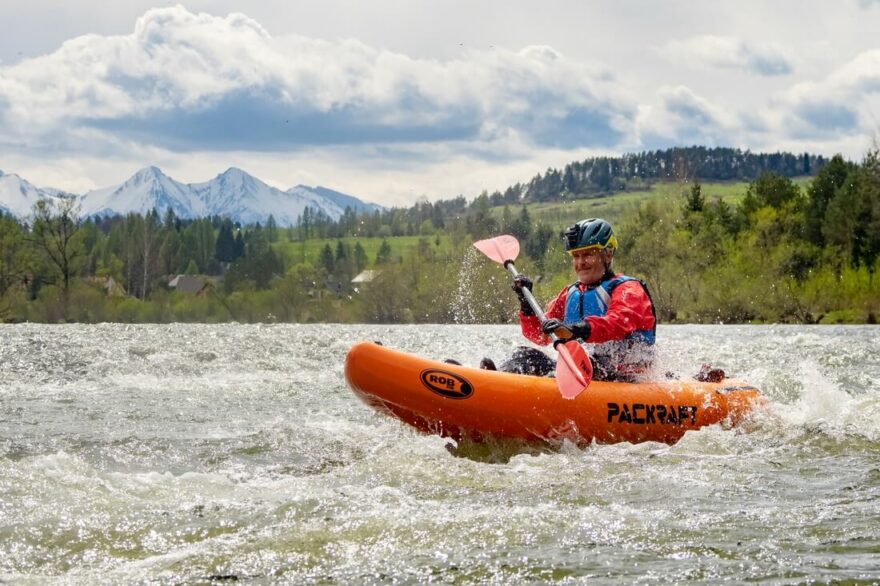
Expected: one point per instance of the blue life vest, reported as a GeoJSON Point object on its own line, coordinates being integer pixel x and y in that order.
{"type": "Point", "coordinates": [635, 351]}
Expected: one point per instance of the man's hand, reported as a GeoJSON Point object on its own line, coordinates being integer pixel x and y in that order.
{"type": "Point", "coordinates": [521, 282]}
{"type": "Point", "coordinates": [565, 331]}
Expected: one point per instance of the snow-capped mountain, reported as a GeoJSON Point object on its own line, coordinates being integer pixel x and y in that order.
{"type": "Point", "coordinates": [234, 194]}
{"type": "Point", "coordinates": [18, 196]}
{"type": "Point", "coordinates": [238, 195]}
{"type": "Point", "coordinates": [340, 199]}
{"type": "Point", "coordinates": [149, 188]}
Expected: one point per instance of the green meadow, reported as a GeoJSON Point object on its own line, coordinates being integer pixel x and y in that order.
{"type": "Point", "coordinates": [555, 214]}
{"type": "Point", "coordinates": [300, 251]}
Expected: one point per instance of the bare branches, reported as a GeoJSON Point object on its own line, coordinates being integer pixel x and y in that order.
{"type": "Point", "coordinates": [55, 228]}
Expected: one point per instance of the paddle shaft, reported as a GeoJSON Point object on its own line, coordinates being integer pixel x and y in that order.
{"type": "Point", "coordinates": [533, 303]}
{"type": "Point", "coordinates": [573, 368]}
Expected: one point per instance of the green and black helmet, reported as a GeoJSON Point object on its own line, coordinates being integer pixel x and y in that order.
{"type": "Point", "coordinates": [589, 233]}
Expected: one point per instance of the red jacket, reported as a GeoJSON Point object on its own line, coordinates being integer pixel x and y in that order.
{"type": "Point", "coordinates": [630, 309]}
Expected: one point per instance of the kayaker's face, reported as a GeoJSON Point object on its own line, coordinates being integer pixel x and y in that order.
{"type": "Point", "coordinates": [590, 264]}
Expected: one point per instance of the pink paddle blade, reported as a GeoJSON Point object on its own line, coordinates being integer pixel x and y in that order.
{"type": "Point", "coordinates": [500, 249]}
{"type": "Point", "coordinates": [574, 371]}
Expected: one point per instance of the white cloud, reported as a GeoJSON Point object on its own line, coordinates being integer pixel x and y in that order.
{"type": "Point", "coordinates": [846, 102]}
{"type": "Point", "coordinates": [710, 52]}
{"type": "Point", "coordinates": [681, 116]}
{"type": "Point", "coordinates": [862, 74]}
{"type": "Point", "coordinates": [385, 111]}
{"type": "Point", "coordinates": [194, 81]}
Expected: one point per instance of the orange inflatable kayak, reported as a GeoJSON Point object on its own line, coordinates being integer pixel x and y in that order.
{"type": "Point", "coordinates": [463, 402]}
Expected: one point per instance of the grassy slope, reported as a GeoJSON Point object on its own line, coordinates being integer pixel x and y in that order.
{"type": "Point", "coordinates": [310, 250]}
{"type": "Point", "coordinates": [555, 214]}
{"type": "Point", "coordinates": [611, 207]}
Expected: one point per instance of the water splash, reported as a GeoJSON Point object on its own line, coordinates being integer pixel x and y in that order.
{"type": "Point", "coordinates": [822, 404]}
{"type": "Point", "coordinates": [464, 308]}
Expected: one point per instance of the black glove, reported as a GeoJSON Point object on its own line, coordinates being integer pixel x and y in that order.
{"type": "Point", "coordinates": [519, 282]}
{"type": "Point", "coordinates": [564, 331]}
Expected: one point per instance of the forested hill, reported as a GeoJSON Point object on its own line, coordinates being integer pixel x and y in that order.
{"type": "Point", "coordinates": [599, 176]}
{"type": "Point", "coordinates": [770, 249]}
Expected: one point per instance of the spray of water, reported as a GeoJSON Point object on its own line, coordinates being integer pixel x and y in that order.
{"type": "Point", "coordinates": [822, 404]}
{"type": "Point", "coordinates": [464, 308]}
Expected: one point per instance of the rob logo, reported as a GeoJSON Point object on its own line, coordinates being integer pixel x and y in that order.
{"type": "Point", "coordinates": [447, 384]}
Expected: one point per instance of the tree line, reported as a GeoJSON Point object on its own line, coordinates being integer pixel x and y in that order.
{"type": "Point", "coordinates": [593, 177]}
{"type": "Point", "coordinates": [779, 254]}
{"type": "Point", "coordinates": [782, 254]}
{"type": "Point", "coordinates": [601, 175]}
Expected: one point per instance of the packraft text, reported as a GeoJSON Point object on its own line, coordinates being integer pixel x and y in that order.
{"type": "Point", "coordinates": [645, 413]}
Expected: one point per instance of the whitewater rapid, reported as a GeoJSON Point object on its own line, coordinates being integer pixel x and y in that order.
{"type": "Point", "coordinates": [199, 453]}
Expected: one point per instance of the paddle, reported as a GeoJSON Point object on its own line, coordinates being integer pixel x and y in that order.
{"type": "Point", "coordinates": [573, 368]}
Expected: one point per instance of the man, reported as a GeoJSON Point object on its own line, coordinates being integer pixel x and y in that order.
{"type": "Point", "coordinates": [611, 314]}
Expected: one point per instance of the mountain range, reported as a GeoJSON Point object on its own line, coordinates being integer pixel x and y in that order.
{"type": "Point", "coordinates": [234, 194]}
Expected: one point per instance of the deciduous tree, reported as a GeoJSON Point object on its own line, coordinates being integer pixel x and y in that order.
{"type": "Point", "coordinates": [55, 229]}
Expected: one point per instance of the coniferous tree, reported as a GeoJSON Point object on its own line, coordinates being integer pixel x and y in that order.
{"type": "Point", "coordinates": [149, 250]}
{"type": "Point", "coordinates": [14, 258]}
{"type": "Point", "coordinates": [506, 219]}
{"type": "Point", "coordinates": [480, 221]}
{"type": "Point", "coordinates": [724, 214]}
{"type": "Point", "coordinates": [132, 234]}
{"type": "Point", "coordinates": [199, 241]}
{"type": "Point", "coordinates": [170, 220]}
{"type": "Point", "coordinates": [821, 191]}
{"type": "Point", "coordinates": [871, 185]}
{"type": "Point", "coordinates": [326, 260]}
{"type": "Point", "coordinates": [601, 176]}
{"type": "Point", "coordinates": [383, 256]}
{"type": "Point", "coordinates": [238, 250]}
{"type": "Point", "coordinates": [271, 229]}
{"type": "Point", "coordinates": [305, 224]}
{"type": "Point", "coordinates": [522, 227]}
{"type": "Point", "coordinates": [569, 183]}
{"type": "Point", "coordinates": [360, 257]}
{"type": "Point", "coordinates": [694, 201]}
{"type": "Point", "coordinates": [224, 248]}
{"type": "Point", "coordinates": [538, 242]}
{"type": "Point", "coordinates": [853, 216]}
{"type": "Point", "coordinates": [169, 253]}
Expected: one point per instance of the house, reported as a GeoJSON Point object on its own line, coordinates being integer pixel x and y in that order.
{"type": "Point", "coordinates": [335, 286]}
{"type": "Point", "coordinates": [365, 276]}
{"type": "Point", "coordinates": [188, 284]}
{"type": "Point", "coordinates": [113, 288]}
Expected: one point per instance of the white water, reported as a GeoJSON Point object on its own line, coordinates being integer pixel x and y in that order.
{"type": "Point", "coordinates": [191, 454]}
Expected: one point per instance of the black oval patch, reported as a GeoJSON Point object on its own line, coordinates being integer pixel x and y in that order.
{"type": "Point", "coordinates": [447, 384]}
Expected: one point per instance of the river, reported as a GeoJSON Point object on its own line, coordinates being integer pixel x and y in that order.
{"type": "Point", "coordinates": [198, 454]}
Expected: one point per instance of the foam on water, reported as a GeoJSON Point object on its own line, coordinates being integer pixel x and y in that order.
{"type": "Point", "coordinates": [178, 454]}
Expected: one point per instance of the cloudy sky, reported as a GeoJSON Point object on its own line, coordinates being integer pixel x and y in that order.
{"type": "Point", "coordinates": [393, 101]}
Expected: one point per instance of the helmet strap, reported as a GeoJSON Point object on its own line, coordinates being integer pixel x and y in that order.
{"type": "Point", "coordinates": [608, 271]}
